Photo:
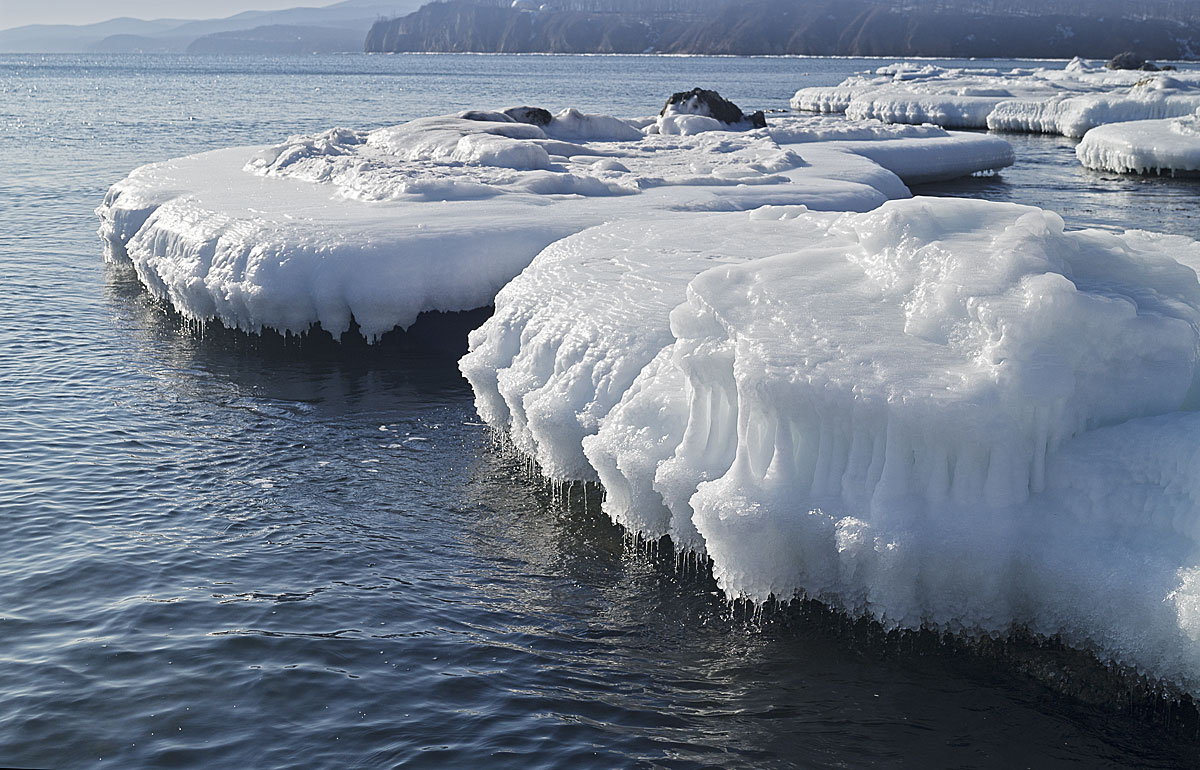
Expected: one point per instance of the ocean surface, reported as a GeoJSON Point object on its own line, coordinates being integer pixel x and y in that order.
{"type": "Point", "coordinates": [221, 551]}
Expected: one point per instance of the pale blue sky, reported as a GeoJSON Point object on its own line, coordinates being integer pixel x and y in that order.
{"type": "Point", "coordinates": [16, 13]}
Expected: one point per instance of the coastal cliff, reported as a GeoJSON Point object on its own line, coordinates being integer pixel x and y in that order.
{"type": "Point", "coordinates": [780, 27]}
{"type": "Point", "coordinates": [463, 27]}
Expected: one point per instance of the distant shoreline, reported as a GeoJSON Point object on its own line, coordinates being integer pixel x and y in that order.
{"type": "Point", "coordinates": [272, 54]}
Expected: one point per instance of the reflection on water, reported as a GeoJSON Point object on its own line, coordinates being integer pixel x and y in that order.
{"type": "Point", "coordinates": [251, 555]}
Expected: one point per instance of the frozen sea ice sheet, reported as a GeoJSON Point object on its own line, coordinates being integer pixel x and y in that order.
{"type": "Point", "coordinates": [1144, 146]}
{"type": "Point", "coordinates": [439, 213]}
{"type": "Point", "coordinates": [1066, 101]}
{"type": "Point", "coordinates": [943, 412]}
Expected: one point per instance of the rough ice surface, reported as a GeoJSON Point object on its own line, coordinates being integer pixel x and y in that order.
{"type": "Point", "coordinates": [440, 213]}
{"type": "Point", "coordinates": [943, 413]}
{"type": "Point", "coordinates": [1144, 146]}
{"type": "Point", "coordinates": [1065, 101]}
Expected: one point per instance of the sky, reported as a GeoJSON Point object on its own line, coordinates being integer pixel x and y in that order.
{"type": "Point", "coordinates": [17, 13]}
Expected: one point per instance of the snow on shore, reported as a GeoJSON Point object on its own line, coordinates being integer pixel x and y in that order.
{"type": "Point", "coordinates": [1040, 100]}
{"type": "Point", "coordinates": [1144, 146]}
{"type": "Point", "coordinates": [947, 413]}
{"type": "Point", "coordinates": [440, 213]}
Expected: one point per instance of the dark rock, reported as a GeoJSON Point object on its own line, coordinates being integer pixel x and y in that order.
{"type": "Point", "coordinates": [1131, 61]}
{"type": "Point", "coordinates": [718, 107]}
{"type": "Point", "coordinates": [1127, 60]}
{"type": "Point", "coordinates": [533, 115]}
{"type": "Point", "coordinates": [486, 116]}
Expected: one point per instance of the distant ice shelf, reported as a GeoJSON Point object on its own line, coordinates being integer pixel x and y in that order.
{"type": "Point", "coordinates": [440, 213]}
{"type": "Point", "coordinates": [942, 413]}
{"type": "Point", "coordinates": [1066, 101]}
{"type": "Point", "coordinates": [1144, 147]}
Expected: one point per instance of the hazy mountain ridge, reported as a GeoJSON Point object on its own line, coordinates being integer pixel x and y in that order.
{"type": "Point", "coordinates": [68, 38]}
{"type": "Point", "coordinates": [126, 35]}
{"type": "Point", "coordinates": [279, 39]}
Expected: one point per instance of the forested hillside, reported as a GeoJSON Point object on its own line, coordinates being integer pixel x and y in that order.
{"type": "Point", "coordinates": [1163, 29]}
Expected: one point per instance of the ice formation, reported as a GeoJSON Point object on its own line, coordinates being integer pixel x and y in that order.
{"type": "Point", "coordinates": [1065, 101]}
{"type": "Point", "coordinates": [440, 213]}
{"type": "Point", "coordinates": [1144, 146]}
{"type": "Point", "coordinates": [944, 413]}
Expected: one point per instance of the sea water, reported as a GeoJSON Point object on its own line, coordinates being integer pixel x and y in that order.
{"type": "Point", "coordinates": [227, 551]}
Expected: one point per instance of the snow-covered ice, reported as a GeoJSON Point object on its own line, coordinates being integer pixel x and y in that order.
{"type": "Point", "coordinates": [1066, 101]}
{"type": "Point", "coordinates": [1144, 146]}
{"type": "Point", "coordinates": [440, 213]}
{"type": "Point", "coordinates": [943, 413]}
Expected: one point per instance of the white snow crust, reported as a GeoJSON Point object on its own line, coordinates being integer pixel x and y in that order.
{"type": "Point", "coordinates": [1065, 101]}
{"type": "Point", "coordinates": [440, 213]}
{"type": "Point", "coordinates": [944, 413]}
{"type": "Point", "coordinates": [1144, 146]}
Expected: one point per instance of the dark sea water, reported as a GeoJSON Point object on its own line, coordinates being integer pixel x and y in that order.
{"type": "Point", "coordinates": [226, 552]}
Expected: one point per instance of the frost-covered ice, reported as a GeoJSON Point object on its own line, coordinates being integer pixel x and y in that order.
{"type": "Point", "coordinates": [1144, 146]}
{"type": "Point", "coordinates": [1065, 101]}
{"type": "Point", "coordinates": [943, 412]}
{"type": "Point", "coordinates": [440, 213]}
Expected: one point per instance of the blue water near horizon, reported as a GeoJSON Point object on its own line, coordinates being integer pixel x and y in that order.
{"type": "Point", "coordinates": [225, 552]}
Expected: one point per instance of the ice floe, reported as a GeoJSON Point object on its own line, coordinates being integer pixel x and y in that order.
{"type": "Point", "coordinates": [440, 213]}
{"type": "Point", "coordinates": [941, 413]}
{"type": "Point", "coordinates": [1144, 146]}
{"type": "Point", "coordinates": [1066, 101]}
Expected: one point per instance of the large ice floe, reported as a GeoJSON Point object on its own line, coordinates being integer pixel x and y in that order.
{"type": "Point", "coordinates": [1144, 146]}
{"type": "Point", "coordinates": [439, 213]}
{"type": "Point", "coordinates": [1066, 101]}
{"type": "Point", "coordinates": [942, 413]}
